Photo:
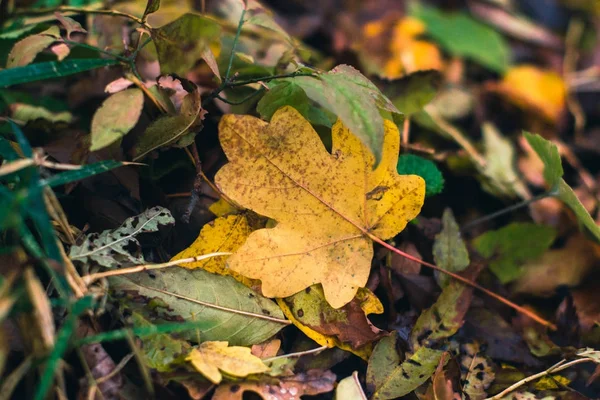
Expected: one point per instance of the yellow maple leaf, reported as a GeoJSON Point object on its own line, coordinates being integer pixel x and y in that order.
{"type": "Point", "coordinates": [328, 207]}
{"type": "Point", "coordinates": [210, 358]}
{"type": "Point", "coordinates": [225, 234]}
{"type": "Point", "coordinates": [531, 87]}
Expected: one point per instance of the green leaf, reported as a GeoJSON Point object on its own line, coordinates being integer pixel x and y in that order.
{"type": "Point", "coordinates": [449, 250]}
{"type": "Point", "coordinates": [568, 196]}
{"type": "Point", "coordinates": [16, 31]}
{"type": "Point", "coordinates": [48, 70]}
{"type": "Point", "coordinates": [226, 309]}
{"type": "Point", "coordinates": [383, 361]}
{"type": "Point", "coordinates": [118, 115]}
{"type": "Point", "coordinates": [354, 99]}
{"type": "Point", "coordinates": [409, 375]}
{"type": "Point", "coordinates": [182, 42]}
{"type": "Point", "coordinates": [116, 248]}
{"type": "Point", "coordinates": [161, 351]}
{"type": "Point", "coordinates": [285, 93]}
{"type": "Point", "coordinates": [553, 172]}
{"type": "Point", "coordinates": [84, 172]}
{"type": "Point", "coordinates": [410, 164]}
{"type": "Point", "coordinates": [169, 129]}
{"type": "Point", "coordinates": [548, 152]}
{"type": "Point", "coordinates": [27, 113]}
{"type": "Point", "coordinates": [412, 92]}
{"type": "Point", "coordinates": [500, 176]}
{"type": "Point", "coordinates": [445, 317]}
{"type": "Point", "coordinates": [25, 50]}
{"type": "Point", "coordinates": [509, 247]}
{"type": "Point", "coordinates": [464, 36]}
{"type": "Point", "coordinates": [151, 7]}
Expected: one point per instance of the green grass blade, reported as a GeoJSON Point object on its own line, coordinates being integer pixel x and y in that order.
{"type": "Point", "coordinates": [85, 172]}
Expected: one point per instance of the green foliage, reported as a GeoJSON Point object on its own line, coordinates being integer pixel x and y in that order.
{"type": "Point", "coordinates": [464, 36]}
{"type": "Point", "coordinates": [412, 92]}
{"type": "Point", "coordinates": [410, 164]}
{"type": "Point", "coordinates": [449, 250]}
{"type": "Point", "coordinates": [50, 70]}
{"type": "Point", "coordinates": [353, 98]}
{"type": "Point", "coordinates": [224, 308]}
{"type": "Point", "coordinates": [383, 361]}
{"type": "Point", "coordinates": [85, 171]}
{"type": "Point", "coordinates": [553, 172]}
{"type": "Point", "coordinates": [509, 247]}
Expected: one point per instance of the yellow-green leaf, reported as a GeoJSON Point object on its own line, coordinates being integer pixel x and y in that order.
{"type": "Point", "coordinates": [328, 207]}
{"type": "Point", "coordinates": [25, 50]}
{"type": "Point", "coordinates": [212, 358]}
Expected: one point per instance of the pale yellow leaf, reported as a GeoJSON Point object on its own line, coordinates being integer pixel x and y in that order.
{"type": "Point", "coordinates": [212, 358]}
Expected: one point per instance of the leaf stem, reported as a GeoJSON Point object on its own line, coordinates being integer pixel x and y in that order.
{"type": "Point", "coordinates": [506, 210]}
{"type": "Point", "coordinates": [298, 354]}
{"type": "Point", "coordinates": [234, 44]}
{"type": "Point", "coordinates": [88, 279]}
{"type": "Point", "coordinates": [466, 281]}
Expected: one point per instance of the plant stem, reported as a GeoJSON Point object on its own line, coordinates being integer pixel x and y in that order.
{"type": "Point", "coordinates": [506, 210]}
{"type": "Point", "coordinates": [99, 50]}
{"type": "Point", "coordinates": [234, 44]}
{"type": "Point", "coordinates": [298, 354]}
{"type": "Point", "coordinates": [466, 281]}
{"type": "Point", "coordinates": [245, 99]}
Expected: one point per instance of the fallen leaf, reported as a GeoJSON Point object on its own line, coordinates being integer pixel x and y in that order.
{"type": "Point", "coordinates": [311, 383]}
{"type": "Point", "coordinates": [224, 308]}
{"type": "Point", "coordinates": [402, 265]}
{"type": "Point", "coordinates": [225, 234]}
{"type": "Point", "coordinates": [565, 266]}
{"type": "Point", "coordinates": [409, 375]}
{"type": "Point", "coordinates": [445, 380]}
{"type": "Point", "coordinates": [181, 43]}
{"type": "Point", "coordinates": [508, 248]}
{"type": "Point", "coordinates": [478, 373]}
{"type": "Point", "coordinates": [414, 91]}
{"type": "Point", "coordinates": [25, 50]}
{"type": "Point", "coordinates": [449, 250]}
{"type": "Point", "coordinates": [266, 349]}
{"type": "Point", "coordinates": [530, 87]}
{"type": "Point", "coordinates": [383, 361]}
{"type": "Point", "coordinates": [118, 115]}
{"type": "Point", "coordinates": [119, 247]}
{"type": "Point", "coordinates": [349, 389]}
{"type": "Point", "coordinates": [212, 358]}
{"type": "Point", "coordinates": [323, 212]}
{"type": "Point", "coordinates": [346, 327]}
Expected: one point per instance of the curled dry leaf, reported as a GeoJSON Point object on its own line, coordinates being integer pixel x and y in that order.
{"type": "Point", "coordinates": [309, 383]}
{"type": "Point", "coordinates": [325, 215]}
{"type": "Point", "coordinates": [346, 327]}
{"type": "Point", "coordinates": [69, 24]}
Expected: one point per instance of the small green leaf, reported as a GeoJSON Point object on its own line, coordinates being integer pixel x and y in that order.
{"type": "Point", "coordinates": [225, 309]}
{"type": "Point", "coordinates": [26, 113]}
{"type": "Point", "coordinates": [151, 7]}
{"type": "Point", "coordinates": [287, 93]}
{"type": "Point", "coordinates": [51, 69]}
{"type": "Point", "coordinates": [449, 250]}
{"type": "Point", "coordinates": [412, 92]}
{"type": "Point", "coordinates": [548, 152]}
{"type": "Point", "coordinates": [118, 115]}
{"type": "Point", "coordinates": [567, 196]}
{"type": "Point", "coordinates": [409, 375]}
{"type": "Point", "coordinates": [509, 247]}
{"type": "Point", "coordinates": [182, 42]}
{"type": "Point", "coordinates": [410, 164]}
{"type": "Point", "coordinates": [464, 36]}
{"type": "Point", "coordinates": [25, 50]}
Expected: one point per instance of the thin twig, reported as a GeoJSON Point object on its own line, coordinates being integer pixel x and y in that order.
{"type": "Point", "coordinates": [77, 10]}
{"type": "Point", "coordinates": [88, 279]}
{"type": "Point", "coordinates": [235, 40]}
{"type": "Point", "coordinates": [297, 354]}
{"type": "Point", "coordinates": [559, 366]}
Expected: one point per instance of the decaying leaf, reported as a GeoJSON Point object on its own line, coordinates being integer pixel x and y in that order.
{"type": "Point", "coordinates": [224, 308]}
{"type": "Point", "coordinates": [383, 361]}
{"type": "Point", "coordinates": [118, 115]}
{"type": "Point", "coordinates": [477, 372]}
{"type": "Point", "coordinates": [25, 50]}
{"type": "Point", "coordinates": [311, 383]}
{"type": "Point", "coordinates": [347, 327]}
{"type": "Point", "coordinates": [212, 358]}
{"type": "Point", "coordinates": [119, 247]}
{"type": "Point", "coordinates": [266, 349]}
{"type": "Point", "coordinates": [513, 245]}
{"type": "Point", "coordinates": [225, 234]}
{"type": "Point", "coordinates": [449, 250]}
{"type": "Point", "coordinates": [445, 381]}
{"type": "Point", "coordinates": [69, 24]}
{"type": "Point", "coordinates": [325, 214]}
